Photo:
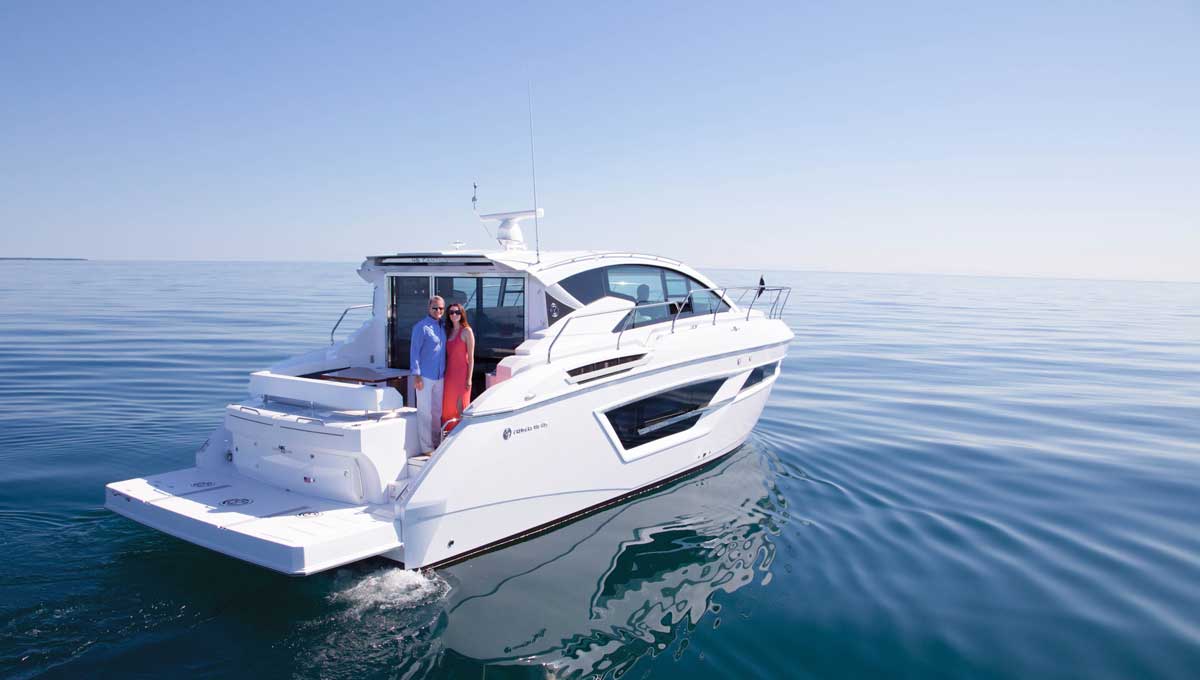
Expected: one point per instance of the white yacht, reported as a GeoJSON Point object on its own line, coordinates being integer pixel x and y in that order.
{"type": "Point", "coordinates": [600, 375]}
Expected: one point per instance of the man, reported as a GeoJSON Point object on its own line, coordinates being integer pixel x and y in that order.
{"type": "Point", "coordinates": [427, 364]}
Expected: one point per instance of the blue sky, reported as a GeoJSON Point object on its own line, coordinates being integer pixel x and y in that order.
{"type": "Point", "coordinates": [1022, 138]}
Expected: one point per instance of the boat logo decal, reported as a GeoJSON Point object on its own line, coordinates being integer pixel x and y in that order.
{"type": "Point", "coordinates": [237, 501]}
{"type": "Point", "coordinates": [509, 432]}
{"type": "Point", "coordinates": [310, 513]}
{"type": "Point", "coordinates": [202, 485]}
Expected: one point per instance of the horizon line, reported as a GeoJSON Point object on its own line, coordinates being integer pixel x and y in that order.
{"type": "Point", "coordinates": [1042, 277]}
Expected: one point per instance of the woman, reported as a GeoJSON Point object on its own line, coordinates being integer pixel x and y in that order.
{"type": "Point", "coordinates": [460, 364]}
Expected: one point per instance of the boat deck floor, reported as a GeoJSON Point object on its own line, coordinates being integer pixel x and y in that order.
{"type": "Point", "coordinates": [273, 527]}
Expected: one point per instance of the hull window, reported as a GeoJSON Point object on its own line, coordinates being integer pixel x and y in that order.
{"type": "Point", "coordinates": [663, 414]}
{"type": "Point", "coordinates": [759, 374]}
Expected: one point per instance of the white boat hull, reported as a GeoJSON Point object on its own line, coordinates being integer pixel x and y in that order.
{"type": "Point", "coordinates": [485, 490]}
{"type": "Point", "coordinates": [497, 479]}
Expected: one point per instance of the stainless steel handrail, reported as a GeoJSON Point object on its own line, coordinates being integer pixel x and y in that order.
{"type": "Point", "coordinates": [343, 316]}
{"type": "Point", "coordinates": [775, 311]}
{"type": "Point", "coordinates": [671, 420]}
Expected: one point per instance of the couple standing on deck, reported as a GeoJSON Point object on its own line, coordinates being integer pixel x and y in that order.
{"type": "Point", "coordinates": [441, 361]}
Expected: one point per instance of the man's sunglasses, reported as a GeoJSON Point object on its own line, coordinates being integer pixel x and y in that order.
{"type": "Point", "coordinates": [436, 309]}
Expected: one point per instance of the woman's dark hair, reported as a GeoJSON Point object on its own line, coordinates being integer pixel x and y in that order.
{"type": "Point", "coordinates": [463, 320]}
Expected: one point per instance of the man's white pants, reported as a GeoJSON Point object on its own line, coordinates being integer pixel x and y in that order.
{"type": "Point", "coordinates": [429, 414]}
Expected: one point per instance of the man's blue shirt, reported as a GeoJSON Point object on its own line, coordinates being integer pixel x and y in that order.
{"type": "Point", "coordinates": [427, 357]}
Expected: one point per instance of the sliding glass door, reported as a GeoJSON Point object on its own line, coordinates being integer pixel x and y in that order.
{"type": "Point", "coordinates": [408, 304]}
{"type": "Point", "coordinates": [495, 306]}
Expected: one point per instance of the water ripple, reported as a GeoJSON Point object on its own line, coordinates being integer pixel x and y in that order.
{"type": "Point", "coordinates": [955, 477]}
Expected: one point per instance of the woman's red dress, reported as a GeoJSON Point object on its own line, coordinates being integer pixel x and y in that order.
{"type": "Point", "coordinates": [455, 386]}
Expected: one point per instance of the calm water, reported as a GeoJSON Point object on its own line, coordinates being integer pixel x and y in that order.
{"type": "Point", "coordinates": [985, 478]}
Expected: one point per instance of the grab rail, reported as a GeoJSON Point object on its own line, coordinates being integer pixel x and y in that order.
{"type": "Point", "coordinates": [780, 296]}
{"type": "Point", "coordinates": [343, 316]}
{"type": "Point", "coordinates": [779, 291]}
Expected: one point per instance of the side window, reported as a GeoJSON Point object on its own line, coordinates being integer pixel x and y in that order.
{"type": "Point", "coordinates": [644, 284]}
{"type": "Point", "coordinates": [636, 282]}
{"type": "Point", "coordinates": [587, 287]}
{"type": "Point", "coordinates": [704, 301]}
{"type": "Point", "coordinates": [677, 285]}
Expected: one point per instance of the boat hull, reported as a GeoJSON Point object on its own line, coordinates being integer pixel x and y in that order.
{"type": "Point", "coordinates": [500, 477]}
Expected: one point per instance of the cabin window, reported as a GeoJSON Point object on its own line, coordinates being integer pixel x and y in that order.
{"type": "Point", "coordinates": [644, 284]}
{"type": "Point", "coordinates": [636, 282]}
{"type": "Point", "coordinates": [588, 286]}
{"type": "Point", "coordinates": [661, 415]}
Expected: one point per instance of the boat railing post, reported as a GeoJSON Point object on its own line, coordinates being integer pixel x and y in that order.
{"type": "Point", "coordinates": [687, 298]}
{"type": "Point", "coordinates": [717, 307]}
{"type": "Point", "coordinates": [343, 316]}
{"type": "Point", "coordinates": [625, 324]}
{"type": "Point", "coordinates": [557, 336]}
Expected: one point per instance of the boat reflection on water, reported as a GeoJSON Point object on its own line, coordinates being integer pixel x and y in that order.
{"type": "Point", "coordinates": [595, 596]}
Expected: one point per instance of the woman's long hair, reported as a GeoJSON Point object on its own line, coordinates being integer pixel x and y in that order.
{"type": "Point", "coordinates": [462, 319]}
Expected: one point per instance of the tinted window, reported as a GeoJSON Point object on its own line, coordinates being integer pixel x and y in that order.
{"type": "Point", "coordinates": [636, 282]}
{"type": "Point", "coordinates": [587, 287]}
{"type": "Point", "coordinates": [677, 285]}
{"type": "Point", "coordinates": [704, 302]}
{"type": "Point", "coordinates": [409, 304]}
{"type": "Point", "coordinates": [661, 415]}
{"type": "Point", "coordinates": [759, 374]}
{"type": "Point", "coordinates": [495, 309]}
{"type": "Point", "coordinates": [645, 284]}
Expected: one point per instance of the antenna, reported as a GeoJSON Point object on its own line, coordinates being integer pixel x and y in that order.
{"type": "Point", "coordinates": [475, 207]}
{"type": "Point", "coordinates": [537, 237]}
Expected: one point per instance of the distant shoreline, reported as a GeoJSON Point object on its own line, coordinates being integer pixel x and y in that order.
{"type": "Point", "coordinates": [45, 259]}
